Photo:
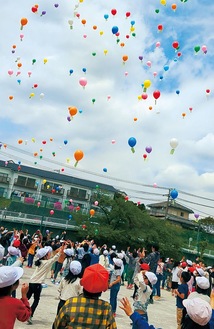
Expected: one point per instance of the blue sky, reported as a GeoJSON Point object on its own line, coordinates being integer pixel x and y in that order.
{"type": "Point", "coordinates": [117, 113]}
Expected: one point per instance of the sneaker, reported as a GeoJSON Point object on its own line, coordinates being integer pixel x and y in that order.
{"type": "Point", "coordinates": [114, 315]}
{"type": "Point", "coordinates": [156, 297]}
{"type": "Point", "coordinates": [52, 280]}
{"type": "Point", "coordinates": [44, 285]}
{"type": "Point", "coordinates": [29, 321]}
{"type": "Point", "coordinates": [58, 282]}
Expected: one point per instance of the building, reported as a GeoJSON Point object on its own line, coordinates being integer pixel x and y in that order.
{"type": "Point", "coordinates": [171, 210]}
{"type": "Point", "coordinates": [30, 184]}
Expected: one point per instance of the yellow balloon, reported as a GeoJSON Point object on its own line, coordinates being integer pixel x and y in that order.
{"type": "Point", "coordinates": [163, 2]}
{"type": "Point", "coordinates": [67, 160]}
{"type": "Point", "coordinates": [101, 32]}
{"type": "Point", "coordinates": [105, 51]}
{"type": "Point", "coordinates": [139, 97]}
{"type": "Point", "coordinates": [33, 140]}
{"type": "Point", "coordinates": [132, 28]}
{"type": "Point", "coordinates": [80, 1]}
{"type": "Point", "coordinates": [44, 181]}
{"type": "Point", "coordinates": [31, 95]}
{"type": "Point", "coordinates": [147, 83]}
{"type": "Point", "coordinates": [45, 60]}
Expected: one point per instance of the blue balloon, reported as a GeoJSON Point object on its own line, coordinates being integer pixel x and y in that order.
{"type": "Point", "coordinates": [132, 141]}
{"type": "Point", "coordinates": [71, 71]}
{"type": "Point", "coordinates": [132, 23]}
{"type": "Point", "coordinates": [19, 82]}
{"type": "Point", "coordinates": [69, 216]}
{"type": "Point", "coordinates": [106, 16]}
{"type": "Point", "coordinates": [166, 67]}
{"type": "Point", "coordinates": [177, 92]}
{"type": "Point", "coordinates": [105, 169]}
{"type": "Point", "coordinates": [80, 111]}
{"type": "Point", "coordinates": [84, 70]}
{"type": "Point", "coordinates": [161, 77]}
{"type": "Point", "coordinates": [114, 29]}
{"type": "Point", "coordinates": [65, 142]}
{"type": "Point", "coordinates": [174, 194]}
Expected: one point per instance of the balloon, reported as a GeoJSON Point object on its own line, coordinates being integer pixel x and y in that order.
{"type": "Point", "coordinates": [84, 69]}
{"type": "Point", "coordinates": [29, 73]}
{"type": "Point", "coordinates": [77, 208]}
{"type": "Point", "coordinates": [78, 155]}
{"type": "Point", "coordinates": [106, 16]}
{"type": "Point", "coordinates": [93, 100]}
{"type": "Point", "coordinates": [144, 96]}
{"type": "Point", "coordinates": [174, 194]}
{"type": "Point", "coordinates": [23, 22]}
{"type": "Point", "coordinates": [31, 95]}
{"type": "Point", "coordinates": [45, 60]}
{"type": "Point", "coordinates": [196, 216]}
{"type": "Point", "coordinates": [204, 49]}
{"type": "Point", "coordinates": [33, 61]}
{"type": "Point", "coordinates": [166, 68]}
{"type": "Point", "coordinates": [163, 2]}
{"type": "Point", "coordinates": [83, 21]}
{"type": "Point", "coordinates": [183, 115]}
{"type": "Point", "coordinates": [207, 91]}
{"type": "Point", "coordinates": [145, 156]}
{"type": "Point", "coordinates": [174, 6]}
{"type": "Point", "coordinates": [105, 51]}
{"type": "Point", "coordinates": [70, 22]}
{"type": "Point", "coordinates": [38, 204]}
{"type": "Point", "coordinates": [146, 84]}
{"type": "Point", "coordinates": [132, 142]}
{"type": "Point", "coordinates": [94, 27]}
{"type": "Point", "coordinates": [177, 92]}
{"type": "Point", "coordinates": [65, 142]}
{"type": "Point", "coordinates": [126, 198]}
{"type": "Point", "coordinates": [56, 5]}
{"type": "Point", "coordinates": [158, 44]}
{"type": "Point", "coordinates": [149, 63]}
{"type": "Point", "coordinates": [197, 48]}
{"type": "Point", "coordinates": [148, 149]}
{"type": "Point", "coordinates": [114, 12]}
{"type": "Point", "coordinates": [43, 13]}
{"type": "Point", "coordinates": [132, 23]}
{"type": "Point", "coordinates": [21, 36]}
{"type": "Point", "coordinates": [160, 27]}
{"type": "Point", "coordinates": [175, 44]}
{"type": "Point", "coordinates": [71, 71]}
{"type": "Point", "coordinates": [157, 11]}
{"type": "Point", "coordinates": [96, 203]}
{"type": "Point", "coordinates": [125, 58]}
{"type": "Point", "coordinates": [10, 72]}
{"type": "Point", "coordinates": [140, 58]}
{"type": "Point", "coordinates": [173, 143]}
{"type": "Point", "coordinates": [156, 95]}
{"type": "Point", "coordinates": [51, 212]}
{"type": "Point", "coordinates": [83, 82]}
{"type": "Point", "coordinates": [72, 110]}
{"type": "Point", "coordinates": [114, 29]}
{"type": "Point", "coordinates": [92, 212]}
{"type": "Point", "coordinates": [128, 14]}
{"type": "Point", "coordinates": [34, 9]}
{"type": "Point", "coordinates": [105, 169]}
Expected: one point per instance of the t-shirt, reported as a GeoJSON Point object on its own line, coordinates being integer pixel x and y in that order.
{"type": "Point", "coordinates": [12, 309]}
{"type": "Point", "coordinates": [182, 289]}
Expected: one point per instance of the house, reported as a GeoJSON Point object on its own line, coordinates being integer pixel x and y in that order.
{"type": "Point", "coordinates": [19, 182]}
{"type": "Point", "coordinates": [171, 210]}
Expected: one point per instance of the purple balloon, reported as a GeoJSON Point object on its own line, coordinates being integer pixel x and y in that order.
{"type": "Point", "coordinates": [69, 119]}
{"type": "Point", "coordinates": [140, 58]}
{"type": "Point", "coordinates": [148, 149]}
{"type": "Point", "coordinates": [56, 5]}
{"type": "Point", "coordinates": [196, 216]}
{"type": "Point", "coordinates": [43, 12]}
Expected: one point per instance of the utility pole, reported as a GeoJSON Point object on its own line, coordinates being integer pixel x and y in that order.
{"type": "Point", "coordinates": [167, 204]}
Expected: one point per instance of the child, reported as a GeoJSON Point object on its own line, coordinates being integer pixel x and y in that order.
{"type": "Point", "coordinates": [13, 254]}
{"type": "Point", "coordinates": [12, 308]}
{"type": "Point", "coordinates": [43, 266]}
{"type": "Point", "coordinates": [182, 293]}
{"type": "Point", "coordinates": [144, 281]}
{"type": "Point", "coordinates": [115, 283]}
{"type": "Point", "coordinates": [70, 285]}
{"type": "Point", "coordinates": [66, 264]}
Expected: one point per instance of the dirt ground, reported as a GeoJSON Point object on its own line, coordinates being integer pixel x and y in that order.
{"type": "Point", "coordinates": [162, 314]}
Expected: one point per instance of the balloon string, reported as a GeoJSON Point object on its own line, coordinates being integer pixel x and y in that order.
{"type": "Point", "coordinates": [172, 151]}
{"type": "Point", "coordinates": [133, 150]}
{"type": "Point", "coordinates": [76, 163]}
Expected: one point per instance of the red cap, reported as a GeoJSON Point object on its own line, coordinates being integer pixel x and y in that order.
{"type": "Point", "coordinates": [191, 269]}
{"type": "Point", "coordinates": [16, 243]}
{"type": "Point", "coordinates": [183, 264]}
{"type": "Point", "coordinates": [145, 267]}
{"type": "Point", "coordinates": [95, 279]}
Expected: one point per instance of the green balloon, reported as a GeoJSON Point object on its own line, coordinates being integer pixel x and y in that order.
{"type": "Point", "coordinates": [157, 11]}
{"type": "Point", "coordinates": [93, 54]}
{"type": "Point", "coordinates": [33, 61]}
{"type": "Point", "coordinates": [134, 34]}
{"type": "Point", "coordinates": [93, 100]}
{"type": "Point", "coordinates": [197, 48]}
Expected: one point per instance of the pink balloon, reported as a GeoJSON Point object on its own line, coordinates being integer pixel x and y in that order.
{"type": "Point", "coordinates": [155, 185]}
{"type": "Point", "coordinates": [126, 73]}
{"type": "Point", "coordinates": [21, 36]}
{"type": "Point", "coordinates": [51, 212]}
{"type": "Point", "coordinates": [10, 72]}
{"type": "Point", "coordinates": [29, 73]}
{"type": "Point", "coordinates": [83, 82]}
{"type": "Point", "coordinates": [113, 141]}
{"type": "Point", "coordinates": [70, 200]}
{"type": "Point", "coordinates": [204, 48]}
{"type": "Point", "coordinates": [158, 44]}
{"type": "Point", "coordinates": [108, 97]}
{"type": "Point", "coordinates": [84, 36]}
{"type": "Point", "coordinates": [155, 74]}
{"type": "Point", "coordinates": [149, 63]}
{"type": "Point", "coordinates": [96, 203]}
{"type": "Point", "coordinates": [144, 96]}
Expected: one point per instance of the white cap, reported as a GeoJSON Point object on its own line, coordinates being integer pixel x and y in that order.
{"type": "Point", "coordinates": [69, 252]}
{"type": "Point", "coordinates": [105, 252]}
{"type": "Point", "coordinates": [120, 255]}
{"type": "Point", "coordinates": [42, 252]}
{"type": "Point", "coordinates": [113, 247]}
{"type": "Point", "coordinates": [118, 262]}
{"type": "Point", "coordinates": [151, 277]}
{"type": "Point", "coordinates": [189, 262]}
{"type": "Point", "coordinates": [13, 251]}
{"type": "Point", "coordinates": [49, 248]}
{"type": "Point", "coordinates": [96, 251]}
{"type": "Point", "coordinates": [198, 310]}
{"type": "Point", "coordinates": [9, 275]}
{"type": "Point", "coordinates": [200, 271]}
{"type": "Point", "coordinates": [75, 267]}
{"type": "Point", "coordinates": [202, 282]}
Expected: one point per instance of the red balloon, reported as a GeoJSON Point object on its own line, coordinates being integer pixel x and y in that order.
{"type": "Point", "coordinates": [156, 94]}
{"type": "Point", "coordinates": [207, 91]}
{"type": "Point", "coordinates": [144, 96]}
{"type": "Point", "coordinates": [175, 44]}
{"type": "Point", "coordinates": [128, 14]}
{"type": "Point", "coordinates": [179, 54]}
{"type": "Point", "coordinates": [144, 156]}
{"type": "Point", "coordinates": [34, 9]}
{"type": "Point", "coordinates": [114, 11]}
{"type": "Point", "coordinates": [160, 27]}
{"type": "Point", "coordinates": [126, 198]}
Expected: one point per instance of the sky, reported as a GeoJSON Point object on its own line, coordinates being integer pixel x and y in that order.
{"type": "Point", "coordinates": [127, 52]}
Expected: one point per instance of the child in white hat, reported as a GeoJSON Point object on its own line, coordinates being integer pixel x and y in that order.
{"type": "Point", "coordinates": [12, 308]}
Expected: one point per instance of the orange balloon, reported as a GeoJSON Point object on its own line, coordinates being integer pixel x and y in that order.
{"type": "Point", "coordinates": [36, 6]}
{"type": "Point", "coordinates": [135, 119]}
{"type": "Point", "coordinates": [174, 6]}
{"type": "Point", "coordinates": [122, 44]}
{"type": "Point", "coordinates": [19, 65]}
{"type": "Point", "coordinates": [150, 108]}
{"type": "Point", "coordinates": [24, 21]}
{"type": "Point", "coordinates": [20, 141]}
{"type": "Point", "coordinates": [35, 154]}
{"type": "Point", "coordinates": [125, 58]}
{"type": "Point", "coordinates": [78, 155]}
{"type": "Point", "coordinates": [183, 115]}
{"type": "Point", "coordinates": [92, 212]}
{"type": "Point", "coordinates": [72, 110]}
{"type": "Point", "coordinates": [14, 46]}
{"type": "Point", "coordinates": [94, 27]}
{"type": "Point", "coordinates": [10, 98]}
{"type": "Point", "coordinates": [83, 21]}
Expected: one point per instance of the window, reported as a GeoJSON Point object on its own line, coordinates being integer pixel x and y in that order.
{"type": "Point", "coordinates": [3, 178]}
{"type": "Point", "coordinates": [26, 181]}
{"type": "Point", "coordinates": [182, 214]}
